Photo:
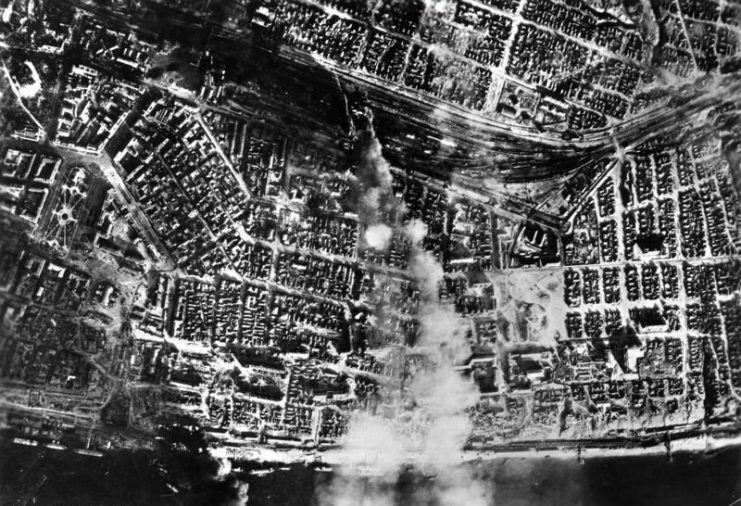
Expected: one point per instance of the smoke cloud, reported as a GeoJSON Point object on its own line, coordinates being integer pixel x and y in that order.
{"type": "Point", "coordinates": [375, 198]}
{"type": "Point", "coordinates": [424, 423]}
{"type": "Point", "coordinates": [416, 230]}
{"type": "Point", "coordinates": [378, 236]}
{"type": "Point", "coordinates": [224, 474]}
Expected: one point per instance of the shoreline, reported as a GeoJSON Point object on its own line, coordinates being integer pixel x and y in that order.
{"type": "Point", "coordinates": [364, 461]}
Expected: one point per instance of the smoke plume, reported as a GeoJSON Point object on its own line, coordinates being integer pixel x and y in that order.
{"type": "Point", "coordinates": [426, 426]}
{"type": "Point", "coordinates": [378, 236]}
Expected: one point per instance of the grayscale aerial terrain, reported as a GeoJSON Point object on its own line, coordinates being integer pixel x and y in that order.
{"type": "Point", "coordinates": [370, 252]}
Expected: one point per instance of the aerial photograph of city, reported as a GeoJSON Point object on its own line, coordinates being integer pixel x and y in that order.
{"type": "Point", "coordinates": [370, 252]}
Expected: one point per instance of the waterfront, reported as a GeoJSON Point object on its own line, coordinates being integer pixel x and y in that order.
{"type": "Point", "coordinates": [33, 476]}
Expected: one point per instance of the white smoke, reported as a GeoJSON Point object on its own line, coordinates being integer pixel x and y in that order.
{"type": "Point", "coordinates": [415, 230]}
{"type": "Point", "coordinates": [425, 423]}
{"type": "Point", "coordinates": [427, 272]}
{"type": "Point", "coordinates": [440, 8]}
{"type": "Point", "coordinates": [368, 441]}
{"type": "Point", "coordinates": [375, 202]}
{"type": "Point", "coordinates": [222, 458]}
{"type": "Point", "coordinates": [224, 474]}
{"type": "Point", "coordinates": [381, 170]}
{"type": "Point", "coordinates": [378, 236]}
